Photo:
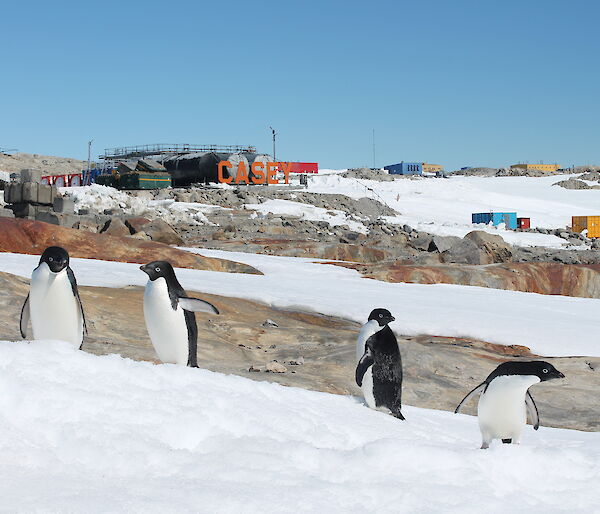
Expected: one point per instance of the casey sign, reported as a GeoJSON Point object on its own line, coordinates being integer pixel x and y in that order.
{"type": "Point", "coordinates": [264, 173]}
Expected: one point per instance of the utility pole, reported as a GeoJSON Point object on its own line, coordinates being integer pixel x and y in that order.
{"type": "Point", "coordinates": [374, 149]}
{"type": "Point", "coordinates": [89, 155]}
{"type": "Point", "coordinates": [274, 134]}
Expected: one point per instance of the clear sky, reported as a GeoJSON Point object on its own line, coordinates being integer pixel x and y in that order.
{"type": "Point", "coordinates": [457, 83]}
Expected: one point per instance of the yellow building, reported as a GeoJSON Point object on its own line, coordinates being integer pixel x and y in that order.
{"type": "Point", "coordinates": [541, 167]}
{"type": "Point", "coordinates": [432, 168]}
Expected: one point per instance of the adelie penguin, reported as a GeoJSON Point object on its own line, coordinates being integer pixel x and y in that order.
{"type": "Point", "coordinates": [379, 370]}
{"type": "Point", "coordinates": [53, 304]}
{"type": "Point", "coordinates": [505, 400]}
{"type": "Point", "coordinates": [169, 315]}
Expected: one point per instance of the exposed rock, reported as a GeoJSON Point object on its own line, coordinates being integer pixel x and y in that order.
{"type": "Point", "coordinates": [422, 241]}
{"type": "Point", "coordinates": [493, 245]}
{"type": "Point", "coordinates": [115, 227]}
{"type": "Point", "coordinates": [442, 243]}
{"type": "Point", "coordinates": [157, 229]}
{"type": "Point", "coordinates": [465, 251]}
{"type": "Point", "coordinates": [275, 367]}
{"type": "Point", "coordinates": [592, 176]}
{"type": "Point", "coordinates": [32, 237]}
{"type": "Point", "coordinates": [543, 278]}
{"type": "Point", "coordinates": [572, 184]}
{"type": "Point", "coordinates": [369, 174]}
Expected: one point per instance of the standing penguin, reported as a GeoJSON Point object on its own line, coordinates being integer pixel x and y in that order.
{"type": "Point", "coordinates": [505, 400]}
{"type": "Point", "coordinates": [53, 302]}
{"type": "Point", "coordinates": [379, 369]}
{"type": "Point", "coordinates": [169, 315]}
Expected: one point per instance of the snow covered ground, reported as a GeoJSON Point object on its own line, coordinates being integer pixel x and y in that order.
{"type": "Point", "coordinates": [82, 433]}
{"type": "Point", "coordinates": [549, 325]}
{"type": "Point", "coordinates": [97, 198]}
{"type": "Point", "coordinates": [444, 206]}
{"type": "Point", "coordinates": [308, 212]}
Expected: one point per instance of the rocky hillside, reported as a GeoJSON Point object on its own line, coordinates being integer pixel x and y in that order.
{"type": "Point", "coordinates": [48, 164]}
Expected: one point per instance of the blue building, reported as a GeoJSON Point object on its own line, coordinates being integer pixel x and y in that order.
{"type": "Point", "coordinates": [508, 218]}
{"type": "Point", "coordinates": [405, 168]}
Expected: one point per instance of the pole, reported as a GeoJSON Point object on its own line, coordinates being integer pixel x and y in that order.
{"type": "Point", "coordinates": [89, 164]}
{"type": "Point", "coordinates": [274, 134]}
{"type": "Point", "coordinates": [374, 149]}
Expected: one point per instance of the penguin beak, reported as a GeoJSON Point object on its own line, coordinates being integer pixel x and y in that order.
{"type": "Point", "coordinates": [392, 319]}
{"type": "Point", "coordinates": [144, 268]}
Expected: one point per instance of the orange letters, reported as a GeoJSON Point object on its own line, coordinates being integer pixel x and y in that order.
{"type": "Point", "coordinates": [259, 172]}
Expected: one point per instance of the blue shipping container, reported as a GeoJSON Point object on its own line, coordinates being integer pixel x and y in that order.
{"type": "Point", "coordinates": [405, 168]}
{"type": "Point", "coordinates": [496, 218]}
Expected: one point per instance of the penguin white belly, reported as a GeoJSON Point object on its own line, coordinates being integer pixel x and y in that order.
{"type": "Point", "coordinates": [53, 308]}
{"type": "Point", "coordinates": [367, 388]}
{"type": "Point", "coordinates": [501, 411]}
{"type": "Point", "coordinates": [167, 327]}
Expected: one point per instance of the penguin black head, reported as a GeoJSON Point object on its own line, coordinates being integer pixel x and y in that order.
{"type": "Point", "coordinates": [56, 258]}
{"type": "Point", "coordinates": [158, 269]}
{"type": "Point", "coordinates": [382, 316]}
{"type": "Point", "coordinates": [541, 369]}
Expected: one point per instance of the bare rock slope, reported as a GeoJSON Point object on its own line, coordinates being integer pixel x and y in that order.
{"type": "Point", "coordinates": [32, 237]}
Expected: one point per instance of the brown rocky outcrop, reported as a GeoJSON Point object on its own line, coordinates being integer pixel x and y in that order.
{"type": "Point", "coordinates": [32, 237]}
{"type": "Point", "coordinates": [158, 230]}
{"type": "Point", "coordinates": [544, 278]}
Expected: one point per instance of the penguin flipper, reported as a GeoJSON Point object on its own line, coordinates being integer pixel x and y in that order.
{"type": "Point", "coordinates": [73, 282]}
{"type": "Point", "coordinates": [472, 393]}
{"type": "Point", "coordinates": [24, 321]}
{"type": "Point", "coordinates": [197, 305]}
{"type": "Point", "coordinates": [364, 364]}
{"type": "Point", "coordinates": [532, 411]}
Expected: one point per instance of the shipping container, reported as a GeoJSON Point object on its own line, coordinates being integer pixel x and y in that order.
{"type": "Point", "coordinates": [139, 180]}
{"type": "Point", "coordinates": [524, 222]}
{"type": "Point", "coordinates": [496, 218]}
{"type": "Point", "coordinates": [109, 180]}
{"type": "Point", "coordinates": [304, 167]}
{"type": "Point", "coordinates": [591, 223]}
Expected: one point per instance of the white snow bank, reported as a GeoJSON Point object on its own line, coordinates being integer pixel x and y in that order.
{"type": "Point", "coordinates": [98, 198]}
{"type": "Point", "coordinates": [82, 433]}
{"type": "Point", "coordinates": [444, 206]}
{"type": "Point", "coordinates": [308, 212]}
{"type": "Point", "coordinates": [549, 325]}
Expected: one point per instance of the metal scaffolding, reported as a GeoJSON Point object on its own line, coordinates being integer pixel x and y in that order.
{"type": "Point", "coordinates": [167, 150]}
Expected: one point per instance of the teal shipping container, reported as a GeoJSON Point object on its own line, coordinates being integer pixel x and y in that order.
{"type": "Point", "coordinates": [496, 218]}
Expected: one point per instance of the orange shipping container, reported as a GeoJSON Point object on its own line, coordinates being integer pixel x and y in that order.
{"type": "Point", "coordinates": [591, 223]}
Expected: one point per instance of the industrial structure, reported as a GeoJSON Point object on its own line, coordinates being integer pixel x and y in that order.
{"type": "Point", "coordinates": [187, 164]}
{"type": "Point", "coordinates": [405, 168]}
{"type": "Point", "coordinates": [539, 167]}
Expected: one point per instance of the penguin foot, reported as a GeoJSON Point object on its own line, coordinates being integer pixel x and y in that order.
{"type": "Point", "coordinates": [485, 446]}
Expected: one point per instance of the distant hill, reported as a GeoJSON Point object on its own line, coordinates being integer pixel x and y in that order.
{"type": "Point", "coordinates": [49, 164]}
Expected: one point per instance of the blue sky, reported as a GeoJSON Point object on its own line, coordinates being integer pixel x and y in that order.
{"type": "Point", "coordinates": [457, 83]}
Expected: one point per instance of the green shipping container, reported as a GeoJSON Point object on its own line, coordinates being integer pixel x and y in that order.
{"type": "Point", "coordinates": [144, 180]}
{"type": "Point", "coordinates": [106, 180]}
